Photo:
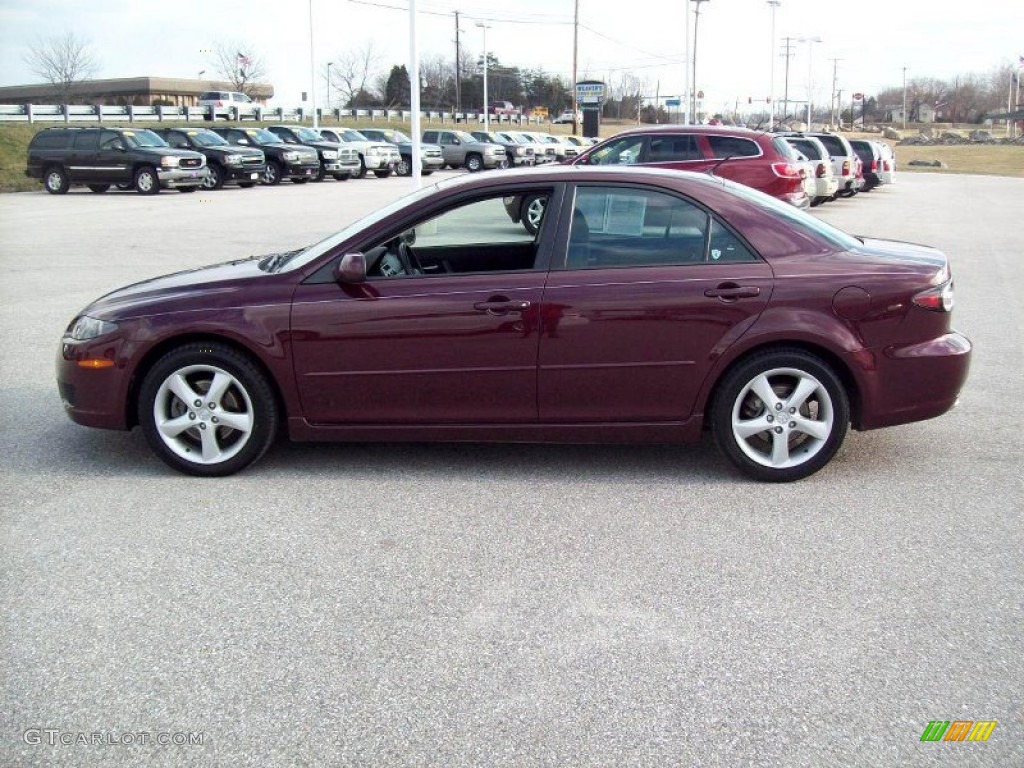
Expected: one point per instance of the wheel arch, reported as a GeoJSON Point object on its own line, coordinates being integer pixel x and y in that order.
{"type": "Point", "coordinates": [827, 355]}
{"type": "Point", "coordinates": [158, 350]}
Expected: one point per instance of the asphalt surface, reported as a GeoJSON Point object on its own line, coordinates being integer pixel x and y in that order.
{"type": "Point", "coordinates": [417, 605]}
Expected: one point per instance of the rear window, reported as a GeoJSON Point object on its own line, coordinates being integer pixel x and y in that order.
{"type": "Point", "coordinates": [732, 146]}
{"type": "Point", "coordinates": [785, 149]}
{"type": "Point", "coordinates": [809, 148]}
{"type": "Point", "coordinates": [833, 144]}
{"type": "Point", "coordinates": [87, 140]}
{"type": "Point", "coordinates": [50, 140]}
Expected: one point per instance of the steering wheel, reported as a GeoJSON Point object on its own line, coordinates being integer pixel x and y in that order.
{"type": "Point", "coordinates": [410, 263]}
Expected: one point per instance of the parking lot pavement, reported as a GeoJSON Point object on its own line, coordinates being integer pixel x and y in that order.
{"type": "Point", "coordinates": [501, 605]}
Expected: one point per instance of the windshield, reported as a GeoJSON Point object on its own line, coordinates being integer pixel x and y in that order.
{"type": "Point", "coordinates": [143, 138]}
{"type": "Point", "coordinates": [262, 136]}
{"type": "Point", "coordinates": [307, 134]}
{"type": "Point", "coordinates": [795, 216]}
{"type": "Point", "coordinates": [350, 135]}
{"type": "Point", "coordinates": [319, 249]}
{"type": "Point", "coordinates": [206, 139]}
{"type": "Point", "coordinates": [397, 137]}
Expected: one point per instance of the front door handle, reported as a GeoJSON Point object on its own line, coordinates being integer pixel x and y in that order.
{"type": "Point", "coordinates": [499, 305]}
{"type": "Point", "coordinates": [732, 292]}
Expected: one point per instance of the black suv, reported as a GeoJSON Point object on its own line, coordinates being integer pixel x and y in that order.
{"type": "Point", "coordinates": [100, 157]}
{"type": "Point", "coordinates": [335, 160]}
{"type": "Point", "coordinates": [284, 161]}
{"type": "Point", "coordinates": [225, 162]}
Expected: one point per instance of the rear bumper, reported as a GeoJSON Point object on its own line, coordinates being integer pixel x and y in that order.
{"type": "Point", "coordinates": [914, 382]}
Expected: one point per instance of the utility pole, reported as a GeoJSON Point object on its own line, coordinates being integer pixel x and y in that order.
{"type": "Point", "coordinates": [771, 68]}
{"type": "Point", "coordinates": [458, 67]}
{"type": "Point", "coordinates": [832, 104]}
{"type": "Point", "coordinates": [904, 98]}
{"type": "Point", "coordinates": [787, 51]}
{"type": "Point", "coordinates": [575, 47]}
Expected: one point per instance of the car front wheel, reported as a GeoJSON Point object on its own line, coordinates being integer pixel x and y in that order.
{"type": "Point", "coordinates": [403, 167]}
{"type": "Point", "coordinates": [532, 213]}
{"type": "Point", "coordinates": [214, 179]}
{"type": "Point", "coordinates": [207, 410]}
{"type": "Point", "coordinates": [272, 174]}
{"type": "Point", "coordinates": [146, 181]}
{"type": "Point", "coordinates": [474, 163]}
{"type": "Point", "coordinates": [780, 415]}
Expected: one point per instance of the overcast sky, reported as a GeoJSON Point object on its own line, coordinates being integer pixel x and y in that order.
{"type": "Point", "coordinates": [874, 39]}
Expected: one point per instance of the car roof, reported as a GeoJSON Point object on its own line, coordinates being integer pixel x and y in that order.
{"type": "Point", "coordinates": [724, 130]}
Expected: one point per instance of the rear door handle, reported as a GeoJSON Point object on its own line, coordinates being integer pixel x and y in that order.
{"type": "Point", "coordinates": [733, 292]}
{"type": "Point", "coordinates": [499, 305]}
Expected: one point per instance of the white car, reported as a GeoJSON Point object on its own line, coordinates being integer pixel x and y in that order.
{"type": "Point", "coordinates": [543, 152]}
{"type": "Point", "coordinates": [223, 102]}
{"type": "Point", "coordinates": [378, 157]}
{"type": "Point", "coordinates": [822, 173]}
{"type": "Point", "coordinates": [887, 172]}
{"type": "Point", "coordinates": [567, 117]}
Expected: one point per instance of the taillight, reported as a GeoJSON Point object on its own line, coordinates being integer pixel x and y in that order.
{"type": "Point", "coordinates": [874, 165]}
{"type": "Point", "coordinates": [786, 170]}
{"type": "Point", "coordinates": [846, 167]}
{"type": "Point", "coordinates": [886, 166]}
{"type": "Point", "coordinates": [820, 172]}
{"type": "Point", "coordinates": [937, 299]}
{"type": "Point", "coordinates": [220, 103]}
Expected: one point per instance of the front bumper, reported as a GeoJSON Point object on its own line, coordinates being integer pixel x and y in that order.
{"type": "Point", "coordinates": [245, 173]}
{"type": "Point", "coordinates": [93, 396]}
{"type": "Point", "coordinates": [173, 178]}
{"type": "Point", "coordinates": [494, 161]}
{"type": "Point", "coordinates": [302, 170]}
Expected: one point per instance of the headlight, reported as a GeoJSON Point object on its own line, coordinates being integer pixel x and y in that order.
{"type": "Point", "coordinates": [520, 151]}
{"type": "Point", "coordinates": [169, 161]}
{"type": "Point", "coordinates": [84, 328]}
{"type": "Point", "coordinates": [290, 157]}
{"type": "Point", "coordinates": [233, 159]}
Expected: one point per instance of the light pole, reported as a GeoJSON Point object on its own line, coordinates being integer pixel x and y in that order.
{"type": "Point", "coordinates": [693, 85]}
{"type": "Point", "coordinates": [904, 98]}
{"type": "Point", "coordinates": [810, 72]}
{"type": "Point", "coordinates": [771, 68]}
{"type": "Point", "coordinates": [312, 69]}
{"type": "Point", "coordinates": [487, 121]}
{"type": "Point", "coordinates": [329, 65]}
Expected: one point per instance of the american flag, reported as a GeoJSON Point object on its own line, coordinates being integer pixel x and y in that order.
{"type": "Point", "coordinates": [244, 60]}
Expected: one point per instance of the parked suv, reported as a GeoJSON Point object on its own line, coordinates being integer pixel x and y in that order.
{"type": "Point", "coordinates": [825, 182]}
{"type": "Point", "coordinates": [460, 149]}
{"type": "Point", "coordinates": [871, 161]}
{"type": "Point", "coordinates": [284, 161]}
{"type": "Point", "coordinates": [380, 157]}
{"type": "Point", "coordinates": [515, 153]}
{"type": "Point", "coordinates": [224, 162]}
{"type": "Point", "coordinates": [844, 162]}
{"type": "Point", "coordinates": [100, 157]}
{"type": "Point", "coordinates": [220, 104]}
{"type": "Point", "coordinates": [760, 160]}
{"type": "Point", "coordinates": [430, 154]}
{"type": "Point", "coordinates": [336, 160]}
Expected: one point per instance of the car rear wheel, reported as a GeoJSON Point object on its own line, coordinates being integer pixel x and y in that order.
{"type": "Point", "coordinates": [207, 410]}
{"type": "Point", "coordinates": [56, 181]}
{"type": "Point", "coordinates": [361, 172]}
{"type": "Point", "coordinates": [382, 174]}
{"type": "Point", "coordinates": [403, 167]}
{"type": "Point", "coordinates": [146, 181]}
{"type": "Point", "coordinates": [532, 213]}
{"type": "Point", "coordinates": [780, 415]}
{"type": "Point", "coordinates": [214, 179]}
{"type": "Point", "coordinates": [99, 189]}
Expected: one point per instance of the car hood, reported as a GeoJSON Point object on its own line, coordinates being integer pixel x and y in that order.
{"type": "Point", "coordinates": [189, 289]}
{"type": "Point", "coordinates": [235, 149]}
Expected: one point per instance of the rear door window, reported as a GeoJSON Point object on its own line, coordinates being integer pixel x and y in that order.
{"type": "Point", "coordinates": [87, 140]}
{"type": "Point", "coordinates": [732, 146]}
{"type": "Point", "coordinates": [662, 149]}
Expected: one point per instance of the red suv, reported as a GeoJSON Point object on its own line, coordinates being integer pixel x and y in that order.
{"type": "Point", "coordinates": [756, 159]}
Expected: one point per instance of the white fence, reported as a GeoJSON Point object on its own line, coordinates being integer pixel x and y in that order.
{"type": "Point", "coordinates": [100, 113]}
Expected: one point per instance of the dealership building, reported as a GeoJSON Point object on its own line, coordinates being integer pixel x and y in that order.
{"type": "Point", "coordinates": [140, 91]}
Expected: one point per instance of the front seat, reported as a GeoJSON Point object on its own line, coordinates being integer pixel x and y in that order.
{"type": "Point", "coordinates": [578, 256]}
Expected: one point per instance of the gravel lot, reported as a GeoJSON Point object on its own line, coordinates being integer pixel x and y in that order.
{"type": "Point", "coordinates": [416, 605]}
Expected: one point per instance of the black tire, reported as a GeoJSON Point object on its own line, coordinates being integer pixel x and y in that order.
{"type": "Point", "coordinates": [146, 180]}
{"type": "Point", "coordinates": [342, 176]}
{"type": "Point", "coordinates": [748, 428]}
{"type": "Point", "coordinates": [361, 173]}
{"type": "Point", "coordinates": [299, 180]}
{"type": "Point", "coordinates": [474, 163]}
{"type": "Point", "coordinates": [99, 189]}
{"type": "Point", "coordinates": [247, 184]}
{"type": "Point", "coordinates": [531, 212]}
{"type": "Point", "coordinates": [214, 179]}
{"type": "Point", "coordinates": [56, 181]}
{"type": "Point", "coordinates": [124, 186]}
{"type": "Point", "coordinates": [201, 444]}
{"type": "Point", "coordinates": [321, 174]}
{"type": "Point", "coordinates": [187, 189]}
{"type": "Point", "coordinates": [404, 166]}
{"type": "Point", "coordinates": [382, 174]}
{"type": "Point", "coordinates": [273, 173]}
{"type": "Point", "coordinates": [425, 173]}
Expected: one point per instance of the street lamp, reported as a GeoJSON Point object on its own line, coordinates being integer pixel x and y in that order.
{"type": "Point", "coordinates": [487, 122]}
{"type": "Point", "coordinates": [904, 98]}
{"type": "Point", "coordinates": [810, 72]}
{"type": "Point", "coordinates": [771, 68]}
{"type": "Point", "coordinates": [693, 88]}
{"type": "Point", "coordinates": [312, 68]}
{"type": "Point", "coordinates": [329, 65]}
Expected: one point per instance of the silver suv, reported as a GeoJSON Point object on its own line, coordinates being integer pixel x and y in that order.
{"type": "Point", "coordinates": [222, 102]}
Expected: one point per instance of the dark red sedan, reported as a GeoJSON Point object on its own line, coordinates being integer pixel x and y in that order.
{"type": "Point", "coordinates": [758, 159]}
{"type": "Point", "coordinates": [647, 307]}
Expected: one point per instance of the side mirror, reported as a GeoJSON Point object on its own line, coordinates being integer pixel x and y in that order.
{"type": "Point", "coordinates": [351, 268]}
{"type": "Point", "coordinates": [456, 141]}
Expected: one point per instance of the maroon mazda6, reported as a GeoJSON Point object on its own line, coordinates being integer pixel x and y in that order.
{"type": "Point", "coordinates": [645, 306]}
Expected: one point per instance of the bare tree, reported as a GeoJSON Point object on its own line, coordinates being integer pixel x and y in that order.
{"type": "Point", "coordinates": [241, 65]}
{"type": "Point", "coordinates": [63, 62]}
{"type": "Point", "coordinates": [353, 71]}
